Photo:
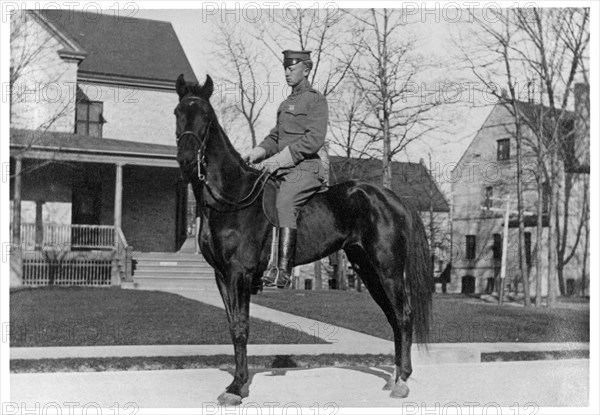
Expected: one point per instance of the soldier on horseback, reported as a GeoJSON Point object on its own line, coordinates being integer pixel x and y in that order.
{"type": "Point", "coordinates": [290, 151]}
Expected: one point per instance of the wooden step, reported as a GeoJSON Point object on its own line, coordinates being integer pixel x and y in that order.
{"type": "Point", "coordinates": [165, 270]}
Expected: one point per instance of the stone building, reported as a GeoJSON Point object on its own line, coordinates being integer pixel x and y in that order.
{"type": "Point", "coordinates": [485, 177]}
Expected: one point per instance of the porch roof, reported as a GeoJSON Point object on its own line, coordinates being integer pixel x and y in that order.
{"type": "Point", "coordinates": [82, 148]}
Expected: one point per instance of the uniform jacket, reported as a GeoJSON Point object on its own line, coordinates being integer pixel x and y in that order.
{"type": "Point", "coordinates": [301, 125]}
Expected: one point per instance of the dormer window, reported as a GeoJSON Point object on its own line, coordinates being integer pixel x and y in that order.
{"type": "Point", "coordinates": [89, 118]}
{"type": "Point", "coordinates": [503, 149]}
{"type": "Point", "coordinates": [88, 115]}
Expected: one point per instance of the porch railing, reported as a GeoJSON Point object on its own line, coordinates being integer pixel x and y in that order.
{"type": "Point", "coordinates": [73, 236]}
{"type": "Point", "coordinates": [123, 257]}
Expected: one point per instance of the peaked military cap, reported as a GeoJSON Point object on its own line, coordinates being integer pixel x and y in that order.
{"type": "Point", "coordinates": [292, 57]}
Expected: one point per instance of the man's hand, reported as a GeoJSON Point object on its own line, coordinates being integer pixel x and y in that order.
{"type": "Point", "coordinates": [281, 160]}
{"type": "Point", "coordinates": [255, 155]}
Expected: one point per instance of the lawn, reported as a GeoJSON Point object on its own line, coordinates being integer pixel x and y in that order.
{"type": "Point", "coordinates": [456, 318]}
{"type": "Point", "coordinates": [78, 316]}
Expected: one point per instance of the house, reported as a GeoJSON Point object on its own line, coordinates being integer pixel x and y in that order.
{"type": "Point", "coordinates": [486, 176]}
{"type": "Point", "coordinates": [92, 143]}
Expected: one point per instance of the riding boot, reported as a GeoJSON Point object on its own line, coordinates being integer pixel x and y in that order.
{"type": "Point", "coordinates": [287, 250]}
{"type": "Point", "coordinates": [281, 276]}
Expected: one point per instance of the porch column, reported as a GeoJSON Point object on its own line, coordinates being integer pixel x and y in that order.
{"type": "Point", "coordinates": [118, 196]}
{"type": "Point", "coordinates": [16, 259]}
{"type": "Point", "coordinates": [116, 272]}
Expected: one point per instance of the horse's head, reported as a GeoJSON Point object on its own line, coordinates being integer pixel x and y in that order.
{"type": "Point", "coordinates": [194, 115]}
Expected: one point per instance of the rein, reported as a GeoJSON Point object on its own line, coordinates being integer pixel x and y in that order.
{"type": "Point", "coordinates": [216, 193]}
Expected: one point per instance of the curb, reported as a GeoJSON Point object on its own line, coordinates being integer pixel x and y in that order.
{"type": "Point", "coordinates": [435, 353]}
{"type": "Point", "coordinates": [225, 362]}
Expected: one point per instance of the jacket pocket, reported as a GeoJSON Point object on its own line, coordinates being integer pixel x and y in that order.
{"type": "Point", "coordinates": [295, 122]}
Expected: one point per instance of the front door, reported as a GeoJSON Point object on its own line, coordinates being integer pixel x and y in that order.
{"type": "Point", "coordinates": [86, 209]}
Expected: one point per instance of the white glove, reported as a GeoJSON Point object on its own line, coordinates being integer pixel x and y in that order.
{"type": "Point", "coordinates": [281, 160]}
{"type": "Point", "coordinates": [255, 155]}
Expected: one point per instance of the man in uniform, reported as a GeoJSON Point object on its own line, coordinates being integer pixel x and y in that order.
{"type": "Point", "coordinates": [290, 150]}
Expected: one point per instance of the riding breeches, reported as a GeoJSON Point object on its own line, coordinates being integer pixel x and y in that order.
{"type": "Point", "coordinates": [294, 189]}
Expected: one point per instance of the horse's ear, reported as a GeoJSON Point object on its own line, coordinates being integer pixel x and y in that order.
{"type": "Point", "coordinates": [181, 86]}
{"type": "Point", "coordinates": [207, 88]}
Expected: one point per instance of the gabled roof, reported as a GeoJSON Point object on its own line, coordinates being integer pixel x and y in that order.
{"type": "Point", "coordinates": [125, 48]}
{"type": "Point", "coordinates": [531, 114]}
{"type": "Point", "coordinates": [410, 181]}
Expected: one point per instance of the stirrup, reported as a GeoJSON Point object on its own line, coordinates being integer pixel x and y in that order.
{"type": "Point", "coordinates": [284, 279]}
{"type": "Point", "coordinates": [270, 278]}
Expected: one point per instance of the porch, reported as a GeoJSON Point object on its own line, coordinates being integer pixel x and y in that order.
{"type": "Point", "coordinates": [80, 205]}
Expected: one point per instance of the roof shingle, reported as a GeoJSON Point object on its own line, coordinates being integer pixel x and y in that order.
{"type": "Point", "coordinates": [410, 181]}
{"type": "Point", "coordinates": [127, 47]}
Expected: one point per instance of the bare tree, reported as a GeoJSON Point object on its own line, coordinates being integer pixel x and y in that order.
{"type": "Point", "coordinates": [347, 125]}
{"type": "Point", "coordinates": [34, 66]}
{"type": "Point", "coordinates": [384, 75]}
{"type": "Point", "coordinates": [558, 40]}
{"type": "Point", "coordinates": [240, 59]}
{"type": "Point", "coordinates": [323, 31]}
{"type": "Point", "coordinates": [549, 46]}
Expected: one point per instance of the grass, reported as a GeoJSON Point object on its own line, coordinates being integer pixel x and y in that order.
{"type": "Point", "coordinates": [224, 362]}
{"type": "Point", "coordinates": [255, 363]}
{"type": "Point", "coordinates": [456, 318]}
{"type": "Point", "coordinates": [80, 316]}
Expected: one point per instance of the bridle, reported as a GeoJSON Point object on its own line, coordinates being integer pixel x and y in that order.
{"type": "Point", "coordinates": [202, 166]}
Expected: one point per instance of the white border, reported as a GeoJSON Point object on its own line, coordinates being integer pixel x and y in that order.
{"type": "Point", "coordinates": [595, 188]}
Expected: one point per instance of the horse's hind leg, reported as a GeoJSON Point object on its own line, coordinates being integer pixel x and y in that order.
{"type": "Point", "coordinates": [387, 296]}
{"type": "Point", "coordinates": [395, 291]}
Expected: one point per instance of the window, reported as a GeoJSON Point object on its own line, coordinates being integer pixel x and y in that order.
{"type": "Point", "coordinates": [504, 149]}
{"type": "Point", "coordinates": [497, 248]}
{"type": "Point", "coordinates": [489, 194]}
{"type": "Point", "coordinates": [527, 236]}
{"type": "Point", "coordinates": [546, 191]}
{"type": "Point", "coordinates": [471, 245]}
{"type": "Point", "coordinates": [89, 118]}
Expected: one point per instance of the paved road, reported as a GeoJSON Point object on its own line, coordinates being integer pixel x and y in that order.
{"type": "Point", "coordinates": [543, 383]}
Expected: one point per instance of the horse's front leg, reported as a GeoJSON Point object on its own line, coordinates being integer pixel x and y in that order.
{"type": "Point", "coordinates": [235, 292]}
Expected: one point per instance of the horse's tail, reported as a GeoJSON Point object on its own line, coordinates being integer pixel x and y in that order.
{"type": "Point", "coordinates": [419, 278]}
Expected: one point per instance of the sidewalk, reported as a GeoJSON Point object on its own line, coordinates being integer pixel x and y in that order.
{"type": "Point", "coordinates": [447, 386]}
{"type": "Point", "coordinates": [341, 341]}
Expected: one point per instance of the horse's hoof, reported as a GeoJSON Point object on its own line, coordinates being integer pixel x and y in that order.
{"type": "Point", "coordinates": [389, 385]}
{"type": "Point", "coordinates": [400, 390]}
{"type": "Point", "coordinates": [227, 398]}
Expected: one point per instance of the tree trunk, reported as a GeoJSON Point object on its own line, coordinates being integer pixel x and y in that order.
{"type": "Point", "coordinates": [586, 248]}
{"type": "Point", "coordinates": [524, 275]}
{"type": "Point", "coordinates": [551, 247]}
{"type": "Point", "coordinates": [538, 235]}
{"type": "Point", "coordinates": [561, 237]}
{"type": "Point", "coordinates": [318, 276]}
{"type": "Point", "coordinates": [16, 253]}
{"type": "Point", "coordinates": [387, 162]}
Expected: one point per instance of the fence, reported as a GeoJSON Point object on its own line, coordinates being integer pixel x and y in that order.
{"type": "Point", "coordinates": [72, 269]}
{"type": "Point", "coordinates": [70, 254]}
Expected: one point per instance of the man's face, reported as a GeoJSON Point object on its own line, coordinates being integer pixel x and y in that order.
{"type": "Point", "coordinates": [295, 73]}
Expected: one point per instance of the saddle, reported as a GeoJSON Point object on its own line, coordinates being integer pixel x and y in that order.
{"type": "Point", "coordinates": [269, 198]}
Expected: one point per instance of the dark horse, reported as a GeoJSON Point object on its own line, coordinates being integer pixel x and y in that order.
{"type": "Point", "coordinates": [384, 239]}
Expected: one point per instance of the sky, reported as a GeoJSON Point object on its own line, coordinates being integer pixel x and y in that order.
{"type": "Point", "coordinates": [194, 29]}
